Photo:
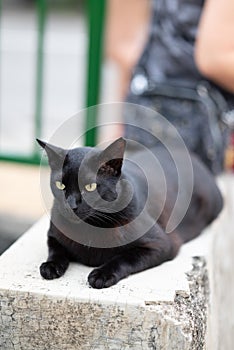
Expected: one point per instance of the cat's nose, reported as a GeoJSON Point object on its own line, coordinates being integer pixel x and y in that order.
{"type": "Point", "coordinates": [73, 202]}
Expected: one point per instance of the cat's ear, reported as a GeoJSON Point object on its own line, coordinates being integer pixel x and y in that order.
{"type": "Point", "coordinates": [111, 158]}
{"type": "Point", "coordinates": [56, 155]}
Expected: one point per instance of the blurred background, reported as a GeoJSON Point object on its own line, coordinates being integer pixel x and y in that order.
{"type": "Point", "coordinates": [56, 58]}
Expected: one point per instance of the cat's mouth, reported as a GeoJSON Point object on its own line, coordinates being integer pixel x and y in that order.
{"type": "Point", "coordinates": [82, 217]}
{"type": "Point", "coordinates": [93, 218]}
{"type": "Point", "coordinates": [74, 216]}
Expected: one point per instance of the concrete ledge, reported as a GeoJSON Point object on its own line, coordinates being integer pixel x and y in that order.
{"type": "Point", "coordinates": [166, 307]}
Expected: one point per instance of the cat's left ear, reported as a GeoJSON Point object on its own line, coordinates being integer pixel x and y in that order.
{"type": "Point", "coordinates": [56, 155]}
{"type": "Point", "coordinates": [112, 157]}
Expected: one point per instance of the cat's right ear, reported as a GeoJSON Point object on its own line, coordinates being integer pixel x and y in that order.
{"type": "Point", "coordinates": [56, 155]}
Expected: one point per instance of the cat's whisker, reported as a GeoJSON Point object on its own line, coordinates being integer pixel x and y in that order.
{"type": "Point", "coordinates": [106, 218]}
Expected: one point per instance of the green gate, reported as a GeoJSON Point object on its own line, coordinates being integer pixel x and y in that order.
{"type": "Point", "coordinates": [95, 10]}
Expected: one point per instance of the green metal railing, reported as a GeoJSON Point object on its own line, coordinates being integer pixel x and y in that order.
{"type": "Point", "coordinates": [96, 20]}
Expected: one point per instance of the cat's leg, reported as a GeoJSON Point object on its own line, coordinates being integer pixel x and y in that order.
{"type": "Point", "coordinates": [145, 255]}
{"type": "Point", "coordinates": [57, 262]}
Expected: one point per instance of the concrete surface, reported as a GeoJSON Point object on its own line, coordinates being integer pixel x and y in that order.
{"type": "Point", "coordinates": [164, 305]}
{"type": "Point", "coordinates": [221, 264]}
{"type": "Point", "coordinates": [183, 304]}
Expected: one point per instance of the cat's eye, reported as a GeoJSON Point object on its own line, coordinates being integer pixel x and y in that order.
{"type": "Point", "coordinates": [91, 187]}
{"type": "Point", "coordinates": [60, 185]}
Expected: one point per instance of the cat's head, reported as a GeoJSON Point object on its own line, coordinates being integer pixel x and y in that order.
{"type": "Point", "coordinates": [84, 178]}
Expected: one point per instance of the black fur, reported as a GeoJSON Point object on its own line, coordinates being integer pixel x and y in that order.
{"type": "Point", "coordinates": [119, 250]}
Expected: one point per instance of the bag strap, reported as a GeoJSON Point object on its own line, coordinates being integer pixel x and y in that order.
{"type": "Point", "coordinates": [172, 91]}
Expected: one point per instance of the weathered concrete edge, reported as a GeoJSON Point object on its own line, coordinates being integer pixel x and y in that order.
{"type": "Point", "coordinates": [190, 310]}
{"type": "Point", "coordinates": [28, 320]}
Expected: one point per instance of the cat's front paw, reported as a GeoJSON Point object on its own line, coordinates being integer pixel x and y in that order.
{"type": "Point", "coordinates": [99, 278]}
{"type": "Point", "coordinates": [51, 269]}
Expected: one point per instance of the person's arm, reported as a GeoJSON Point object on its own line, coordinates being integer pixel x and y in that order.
{"type": "Point", "coordinates": [214, 49]}
{"type": "Point", "coordinates": [126, 33]}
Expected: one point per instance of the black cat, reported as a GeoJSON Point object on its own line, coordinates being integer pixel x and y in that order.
{"type": "Point", "coordinates": [109, 213]}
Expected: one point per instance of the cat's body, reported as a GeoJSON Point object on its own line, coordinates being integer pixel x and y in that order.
{"type": "Point", "coordinates": [133, 237]}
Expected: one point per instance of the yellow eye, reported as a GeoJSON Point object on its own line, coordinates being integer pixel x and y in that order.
{"type": "Point", "coordinates": [59, 185]}
{"type": "Point", "coordinates": [91, 187]}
